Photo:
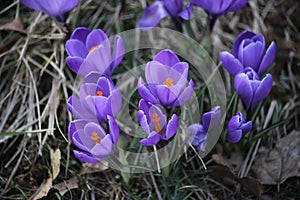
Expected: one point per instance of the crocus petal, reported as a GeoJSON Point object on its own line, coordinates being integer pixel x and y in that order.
{"type": "Point", "coordinates": [268, 58]}
{"type": "Point", "coordinates": [69, 5]}
{"type": "Point", "coordinates": [77, 141]}
{"type": "Point", "coordinates": [205, 4]}
{"type": "Point", "coordinates": [95, 38]}
{"type": "Point", "coordinates": [211, 119]}
{"type": "Point", "coordinates": [113, 129]}
{"type": "Point", "coordinates": [166, 57]}
{"type": "Point", "coordinates": [234, 122]}
{"type": "Point", "coordinates": [187, 12]}
{"type": "Point", "coordinates": [243, 88]}
{"type": "Point", "coordinates": [156, 72]}
{"type": "Point", "coordinates": [252, 55]}
{"type": "Point", "coordinates": [173, 6]}
{"type": "Point", "coordinates": [143, 121]}
{"type": "Point", "coordinates": [262, 91]}
{"type": "Point", "coordinates": [115, 101]}
{"type": "Point", "coordinates": [81, 34]}
{"type": "Point", "coordinates": [234, 136]}
{"type": "Point", "coordinates": [152, 15]}
{"type": "Point", "coordinates": [85, 157]}
{"type": "Point", "coordinates": [186, 94]}
{"type": "Point", "coordinates": [31, 4]}
{"type": "Point", "coordinates": [97, 60]}
{"type": "Point", "coordinates": [74, 64]}
{"type": "Point", "coordinates": [219, 6]}
{"type": "Point", "coordinates": [165, 95]}
{"type": "Point", "coordinates": [241, 37]}
{"type": "Point", "coordinates": [104, 148]}
{"type": "Point", "coordinates": [172, 127]}
{"type": "Point", "coordinates": [237, 4]}
{"type": "Point", "coordinates": [230, 63]}
{"type": "Point", "coordinates": [145, 92]}
{"type": "Point", "coordinates": [118, 52]}
{"type": "Point", "coordinates": [152, 139]}
{"type": "Point", "coordinates": [75, 107]}
{"type": "Point", "coordinates": [246, 128]}
{"type": "Point", "coordinates": [76, 48]}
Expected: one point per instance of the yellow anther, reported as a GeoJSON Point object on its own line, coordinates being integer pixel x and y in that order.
{"type": "Point", "coordinates": [93, 48]}
{"type": "Point", "coordinates": [99, 93]}
{"type": "Point", "coordinates": [168, 82]}
{"type": "Point", "coordinates": [95, 137]}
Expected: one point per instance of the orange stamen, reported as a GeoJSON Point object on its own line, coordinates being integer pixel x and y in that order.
{"type": "Point", "coordinates": [95, 137]}
{"type": "Point", "coordinates": [99, 93]}
{"type": "Point", "coordinates": [168, 82]}
{"type": "Point", "coordinates": [155, 120]}
{"type": "Point", "coordinates": [93, 48]}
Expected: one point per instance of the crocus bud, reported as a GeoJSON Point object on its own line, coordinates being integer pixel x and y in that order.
{"type": "Point", "coordinates": [238, 127]}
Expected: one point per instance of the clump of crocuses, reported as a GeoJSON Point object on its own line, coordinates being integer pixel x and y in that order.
{"type": "Point", "coordinates": [238, 127]}
{"type": "Point", "coordinates": [56, 9]}
{"type": "Point", "coordinates": [164, 8]}
{"type": "Point", "coordinates": [95, 131]}
{"type": "Point", "coordinates": [217, 8]}
{"type": "Point", "coordinates": [89, 51]}
{"type": "Point", "coordinates": [166, 87]}
{"type": "Point", "coordinates": [199, 131]}
{"type": "Point", "coordinates": [247, 63]}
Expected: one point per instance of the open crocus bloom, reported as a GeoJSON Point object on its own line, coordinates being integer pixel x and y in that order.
{"type": "Point", "coordinates": [251, 89]}
{"type": "Point", "coordinates": [89, 51]}
{"type": "Point", "coordinates": [249, 50]}
{"type": "Point", "coordinates": [216, 8]}
{"type": "Point", "coordinates": [238, 127]}
{"type": "Point", "coordinates": [56, 9]}
{"type": "Point", "coordinates": [209, 121]}
{"type": "Point", "coordinates": [154, 122]}
{"type": "Point", "coordinates": [161, 9]}
{"type": "Point", "coordinates": [166, 81]}
{"type": "Point", "coordinates": [98, 98]}
{"type": "Point", "coordinates": [94, 142]}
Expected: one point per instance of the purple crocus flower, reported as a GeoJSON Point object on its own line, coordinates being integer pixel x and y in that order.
{"type": "Point", "coordinates": [166, 81]}
{"type": "Point", "coordinates": [94, 142]}
{"type": "Point", "coordinates": [161, 9]}
{"type": "Point", "coordinates": [248, 50]}
{"type": "Point", "coordinates": [209, 121]}
{"type": "Point", "coordinates": [217, 8]}
{"type": "Point", "coordinates": [89, 51]}
{"type": "Point", "coordinates": [98, 98]}
{"type": "Point", "coordinates": [154, 122]}
{"type": "Point", "coordinates": [56, 9]}
{"type": "Point", "coordinates": [238, 127]}
{"type": "Point", "coordinates": [251, 89]}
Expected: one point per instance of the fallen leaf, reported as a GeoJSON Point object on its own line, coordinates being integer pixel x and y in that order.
{"type": "Point", "coordinates": [55, 157]}
{"type": "Point", "coordinates": [225, 175]}
{"type": "Point", "coordinates": [15, 25]}
{"type": "Point", "coordinates": [280, 163]}
{"type": "Point", "coordinates": [65, 186]}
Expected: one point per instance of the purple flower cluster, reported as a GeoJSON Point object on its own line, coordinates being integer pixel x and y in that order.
{"type": "Point", "coordinates": [174, 8]}
{"type": "Point", "coordinates": [95, 131]}
{"type": "Point", "coordinates": [166, 87]}
{"type": "Point", "coordinates": [247, 63]}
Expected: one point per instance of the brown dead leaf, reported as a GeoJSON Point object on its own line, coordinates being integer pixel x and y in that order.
{"type": "Point", "coordinates": [225, 175]}
{"type": "Point", "coordinates": [280, 163]}
{"type": "Point", "coordinates": [55, 157]}
{"type": "Point", "coordinates": [65, 186]}
{"type": "Point", "coordinates": [15, 25]}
